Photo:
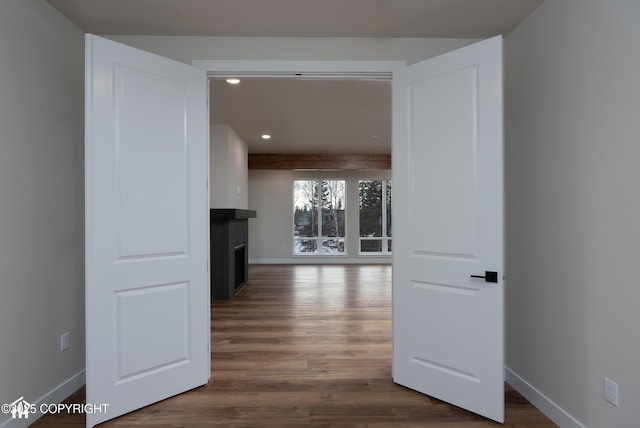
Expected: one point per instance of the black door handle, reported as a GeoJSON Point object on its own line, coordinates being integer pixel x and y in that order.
{"type": "Point", "coordinates": [489, 276]}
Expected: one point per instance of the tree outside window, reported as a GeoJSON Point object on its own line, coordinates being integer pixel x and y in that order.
{"type": "Point", "coordinates": [319, 216]}
{"type": "Point", "coordinates": [374, 198]}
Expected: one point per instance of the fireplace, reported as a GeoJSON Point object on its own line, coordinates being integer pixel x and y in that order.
{"type": "Point", "coordinates": [240, 274]}
{"type": "Point", "coordinates": [229, 232]}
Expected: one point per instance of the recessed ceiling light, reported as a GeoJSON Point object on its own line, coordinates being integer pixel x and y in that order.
{"type": "Point", "coordinates": [265, 136]}
{"type": "Point", "coordinates": [233, 81]}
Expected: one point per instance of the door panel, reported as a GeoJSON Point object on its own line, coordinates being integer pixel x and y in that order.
{"type": "Point", "coordinates": [147, 228]}
{"type": "Point", "coordinates": [445, 220]}
{"type": "Point", "coordinates": [452, 348]}
{"type": "Point", "coordinates": [146, 201]}
{"type": "Point", "coordinates": [139, 353]}
{"type": "Point", "coordinates": [447, 169]}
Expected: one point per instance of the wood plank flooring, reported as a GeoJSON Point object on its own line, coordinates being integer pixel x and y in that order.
{"type": "Point", "coordinates": [306, 346]}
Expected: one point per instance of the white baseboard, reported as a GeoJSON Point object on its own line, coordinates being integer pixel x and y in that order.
{"type": "Point", "coordinates": [55, 396]}
{"type": "Point", "coordinates": [554, 412]}
{"type": "Point", "coordinates": [304, 260]}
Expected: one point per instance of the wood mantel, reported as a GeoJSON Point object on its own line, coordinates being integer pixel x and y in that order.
{"type": "Point", "coordinates": [319, 161]}
{"type": "Point", "coordinates": [230, 214]}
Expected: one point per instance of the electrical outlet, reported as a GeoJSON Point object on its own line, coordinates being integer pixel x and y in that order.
{"type": "Point", "coordinates": [611, 391]}
{"type": "Point", "coordinates": [65, 341]}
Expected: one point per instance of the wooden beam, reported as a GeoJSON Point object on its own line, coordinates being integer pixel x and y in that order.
{"type": "Point", "coordinates": [319, 161]}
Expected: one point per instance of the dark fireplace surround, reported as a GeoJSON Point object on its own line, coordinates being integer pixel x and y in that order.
{"type": "Point", "coordinates": [229, 232]}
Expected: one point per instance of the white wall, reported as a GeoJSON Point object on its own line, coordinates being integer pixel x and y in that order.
{"type": "Point", "coordinates": [228, 163]}
{"type": "Point", "coordinates": [573, 206]}
{"type": "Point", "coordinates": [41, 203]}
{"type": "Point", "coordinates": [271, 233]}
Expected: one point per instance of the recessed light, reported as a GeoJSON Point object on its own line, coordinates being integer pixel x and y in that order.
{"type": "Point", "coordinates": [233, 81]}
{"type": "Point", "coordinates": [265, 136]}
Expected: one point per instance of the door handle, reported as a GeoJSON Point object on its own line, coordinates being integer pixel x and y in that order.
{"type": "Point", "coordinates": [489, 276]}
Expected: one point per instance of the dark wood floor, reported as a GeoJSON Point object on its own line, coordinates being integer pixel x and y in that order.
{"type": "Point", "coordinates": [306, 346]}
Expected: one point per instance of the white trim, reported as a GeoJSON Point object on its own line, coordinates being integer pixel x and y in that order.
{"type": "Point", "coordinates": [55, 396]}
{"type": "Point", "coordinates": [543, 403]}
{"type": "Point", "coordinates": [303, 69]}
{"type": "Point", "coordinates": [310, 260]}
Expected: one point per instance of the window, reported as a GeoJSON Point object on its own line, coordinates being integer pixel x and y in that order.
{"type": "Point", "coordinates": [374, 197]}
{"type": "Point", "coordinates": [319, 216]}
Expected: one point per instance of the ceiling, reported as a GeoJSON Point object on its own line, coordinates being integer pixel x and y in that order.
{"type": "Point", "coordinates": [475, 19]}
{"type": "Point", "coordinates": [304, 116]}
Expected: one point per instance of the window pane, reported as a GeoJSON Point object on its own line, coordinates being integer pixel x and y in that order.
{"type": "Point", "coordinates": [333, 201]}
{"type": "Point", "coordinates": [370, 204]}
{"type": "Point", "coordinates": [306, 245]}
{"type": "Point", "coordinates": [305, 208]}
{"type": "Point", "coordinates": [333, 245]}
{"type": "Point", "coordinates": [389, 245]}
{"type": "Point", "coordinates": [389, 211]}
{"type": "Point", "coordinates": [371, 246]}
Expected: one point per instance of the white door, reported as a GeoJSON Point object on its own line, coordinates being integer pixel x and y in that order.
{"type": "Point", "coordinates": [448, 226]}
{"type": "Point", "coordinates": [147, 228]}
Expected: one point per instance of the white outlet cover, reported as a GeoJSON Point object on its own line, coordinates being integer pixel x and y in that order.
{"type": "Point", "coordinates": [611, 391]}
{"type": "Point", "coordinates": [65, 341]}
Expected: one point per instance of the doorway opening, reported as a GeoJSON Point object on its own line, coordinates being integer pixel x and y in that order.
{"type": "Point", "coordinates": [309, 108]}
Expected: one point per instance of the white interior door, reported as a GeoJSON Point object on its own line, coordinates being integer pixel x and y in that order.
{"type": "Point", "coordinates": [147, 228]}
{"type": "Point", "coordinates": [448, 226]}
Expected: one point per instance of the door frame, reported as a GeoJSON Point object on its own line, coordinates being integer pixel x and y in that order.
{"type": "Point", "coordinates": [307, 69]}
